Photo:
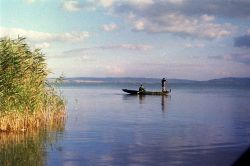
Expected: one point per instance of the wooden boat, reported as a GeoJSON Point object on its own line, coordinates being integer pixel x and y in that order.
{"type": "Point", "coordinates": [136, 92]}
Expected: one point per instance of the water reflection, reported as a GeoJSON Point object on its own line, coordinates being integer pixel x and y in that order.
{"type": "Point", "coordinates": [28, 148]}
{"type": "Point", "coordinates": [163, 103]}
{"type": "Point", "coordinates": [129, 97]}
{"type": "Point", "coordinates": [141, 99]}
{"type": "Point", "coordinates": [163, 99]}
{"type": "Point", "coordinates": [117, 129]}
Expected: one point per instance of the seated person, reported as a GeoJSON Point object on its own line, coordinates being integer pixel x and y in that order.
{"type": "Point", "coordinates": [141, 89]}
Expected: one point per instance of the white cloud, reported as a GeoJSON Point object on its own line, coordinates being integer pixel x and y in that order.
{"type": "Point", "coordinates": [207, 18]}
{"type": "Point", "coordinates": [139, 25]}
{"type": "Point", "coordinates": [138, 47]}
{"type": "Point", "coordinates": [109, 27]}
{"type": "Point", "coordinates": [42, 45]}
{"type": "Point", "coordinates": [197, 45]}
{"type": "Point", "coordinates": [140, 3]}
{"type": "Point", "coordinates": [131, 47]}
{"type": "Point", "coordinates": [106, 3]}
{"type": "Point", "coordinates": [178, 2]}
{"type": "Point", "coordinates": [179, 17]}
{"type": "Point", "coordinates": [72, 36]}
{"type": "Point", "coordinates": [173, 16]}
{"type": "Point", "coordinates": [213, 30]}
{"type": "Point", "coordinates": [71, 5]}
{"type": "Point", "coordinates": [114, 70]}
{"type": "Point", "coordinates": [201, 27]}
{"type": "Point", "coordinates": [75, 5]}
{"type": "Point", "coordinates": [44, 36]}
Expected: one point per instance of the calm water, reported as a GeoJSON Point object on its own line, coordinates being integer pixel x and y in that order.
{"type": "Point", "coordinates": [194, 126]}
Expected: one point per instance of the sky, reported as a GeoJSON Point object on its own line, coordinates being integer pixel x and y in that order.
{"type": "Point", "coordinates": [187, 39]}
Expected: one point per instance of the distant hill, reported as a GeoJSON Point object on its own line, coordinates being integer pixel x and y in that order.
{"type": "Point", "coordinates": [230, 80]}
{"type": "Point", "coordinates": [82, 80]}
{"type": "Point", "coordinates": [122, 80]}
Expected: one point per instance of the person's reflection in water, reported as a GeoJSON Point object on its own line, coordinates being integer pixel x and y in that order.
{"type": "Point", "coordinates": [141, 99]}
{"type": "Point", "coordinates": [164, 103]}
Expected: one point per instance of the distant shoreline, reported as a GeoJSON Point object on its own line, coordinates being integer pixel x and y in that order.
{"type": "Point", "coordinates": [83, 80]}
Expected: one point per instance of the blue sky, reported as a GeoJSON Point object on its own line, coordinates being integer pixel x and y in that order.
{"type": "Point", "coordinates": [188, 39]}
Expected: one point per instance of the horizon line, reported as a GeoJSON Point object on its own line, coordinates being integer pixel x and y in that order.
{"type": "Point", "coordinates": [149, 78]}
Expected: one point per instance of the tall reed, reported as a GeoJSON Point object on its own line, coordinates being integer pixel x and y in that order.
{"type": "Point", "coordinates": [27, 99]}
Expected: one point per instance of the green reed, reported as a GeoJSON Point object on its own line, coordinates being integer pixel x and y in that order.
{"type": "Point", "coordinates": [27, 99]}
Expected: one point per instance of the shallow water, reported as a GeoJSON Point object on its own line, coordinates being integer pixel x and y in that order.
{"type": "Point", "coordinates": [192, 126]}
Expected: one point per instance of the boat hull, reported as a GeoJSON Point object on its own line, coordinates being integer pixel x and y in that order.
{"type": "Point", "coordinates": [136, 92]}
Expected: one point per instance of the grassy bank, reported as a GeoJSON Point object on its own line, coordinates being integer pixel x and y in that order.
{"type": "Point", "coordinates": [27, 100]}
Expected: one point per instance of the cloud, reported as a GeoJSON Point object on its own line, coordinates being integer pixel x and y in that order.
{"type": "Point", "coordinates": [131, 47]}
{"type": "Point", "coordinates": [219, 8]}
{"type": "Point", "coordinates": [74, 5]}
{"type": "Point", "coordinates": [106, 3]}
{"type": "Point", "coordinates": [42, 45]}
{"type": "Point", "coordinates": [191, 18]}
{"type": "Point", "coordinates": [71, 5]}
{"type": "Point", "coordinates": [196, 45]}
{"type": "Point", "coordinates": [141, 4]}
{"type": "Point", "coordinates": [243, 58]}
{"type": "Point", "coordinates": [159, 17]}
{"type": "Point", "coordinates": [137, 47]}
{"type": "Point", "coordinates": [175, 1]}
{"type": "Point", "coordinates": [114, 70]}
{"type": "Point", "coordinates": [139, 24]}
{"type": "Point", "coordinates": [186, 18]}
{"type": "Point", "coordinates": [109, 27]}
{"type": "Point", "coordinates": [201, 27]}
{"type": "Point", "coordinates": [44, 36]}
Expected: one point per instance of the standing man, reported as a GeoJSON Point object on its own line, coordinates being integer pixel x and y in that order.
{"type": "Point", "coordinates": [163, 85]}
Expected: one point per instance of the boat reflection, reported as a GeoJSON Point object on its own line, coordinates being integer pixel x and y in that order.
{"type": "Point", "coordinates": [163, 99]}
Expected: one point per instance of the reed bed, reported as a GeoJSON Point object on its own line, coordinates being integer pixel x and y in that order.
{"type": "Point", "coordinates": [27, 100]}
{"type": "Point", "coordinates": [50, 132]}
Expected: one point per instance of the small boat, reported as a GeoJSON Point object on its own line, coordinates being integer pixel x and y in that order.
{"type": "Point", "coordinates": [136, 92]}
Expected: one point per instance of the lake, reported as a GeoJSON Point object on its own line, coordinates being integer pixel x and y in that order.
{"type": "Point", "coordinates": [195, 125]}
